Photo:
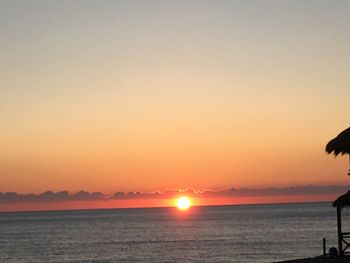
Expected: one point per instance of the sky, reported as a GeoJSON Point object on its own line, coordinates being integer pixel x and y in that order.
{"type": "Point", "coordinates": [107, 96]}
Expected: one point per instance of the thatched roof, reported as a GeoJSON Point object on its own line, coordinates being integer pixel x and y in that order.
{"type": "Point", "coordinates": [343, 200]}
{"type": "Point", "coordinates": [340, 144]}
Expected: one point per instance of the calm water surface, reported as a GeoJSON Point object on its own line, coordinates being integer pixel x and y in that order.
{"type": "Point", "coordinates": [249, 233]}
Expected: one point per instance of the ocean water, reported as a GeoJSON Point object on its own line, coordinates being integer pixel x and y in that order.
{"type": "Point", "coordinates": [247, 233]}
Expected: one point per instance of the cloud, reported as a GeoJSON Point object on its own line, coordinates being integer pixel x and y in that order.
{"type": "Point", "coordinates": [155, 195]}
{"type": "Point", "coordinates": [65, 196]}
{"type": "Point", "coordinates": [282, 191]}
{"type": "Point", "coordinates": [49, 196]}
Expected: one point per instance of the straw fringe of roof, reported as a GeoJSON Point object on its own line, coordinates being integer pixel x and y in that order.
{"type": "Point", "coordinates": [343, 200]}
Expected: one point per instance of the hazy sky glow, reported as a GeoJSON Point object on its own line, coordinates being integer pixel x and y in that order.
{"type": "Point", "coordinates": [155, 95]}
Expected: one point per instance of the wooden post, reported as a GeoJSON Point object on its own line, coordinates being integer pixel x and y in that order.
{"type": "Point", "coordinates": [340, 238]}
{"type": "Point", "coordinates": [324, 247]}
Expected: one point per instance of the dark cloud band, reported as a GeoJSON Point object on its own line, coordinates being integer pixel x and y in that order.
{"type": "Point", "coordinates": [65, 196]}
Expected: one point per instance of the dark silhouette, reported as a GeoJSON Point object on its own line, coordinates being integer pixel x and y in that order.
{"type": "Point", "coordinates": [340, 145]}
{"type": "Point", "coordinates": [343, 200]}
{"type": "Point", "coordinates": [343, 237]}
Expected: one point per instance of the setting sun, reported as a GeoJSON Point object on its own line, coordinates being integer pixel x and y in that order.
{"type": "Point", "coordinates": [183, 203]}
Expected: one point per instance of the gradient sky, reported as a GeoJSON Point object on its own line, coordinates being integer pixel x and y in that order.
{"type": "Point", "coordinates": [155, 95]}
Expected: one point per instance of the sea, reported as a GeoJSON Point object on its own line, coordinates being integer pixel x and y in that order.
{"type": "Point", "coordinates": [238, 233]}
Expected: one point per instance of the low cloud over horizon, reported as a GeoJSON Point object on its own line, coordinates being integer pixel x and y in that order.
{"type": "Point", "coordinates": [65, 196]}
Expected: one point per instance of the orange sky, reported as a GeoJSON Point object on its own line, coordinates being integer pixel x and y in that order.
{"type": "Point", "coordinates": [127, 96]}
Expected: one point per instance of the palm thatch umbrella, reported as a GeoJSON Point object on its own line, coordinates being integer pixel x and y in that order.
{"type": "Point", "coordinates": [340, 144]}
{"type": "Point", "coordinates": [343, 237]}
{"type": "Point", "coordinates": [343, 200]}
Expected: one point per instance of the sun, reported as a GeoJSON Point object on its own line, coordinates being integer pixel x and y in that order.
{"type": "Point", "coordinates": [183, 203]}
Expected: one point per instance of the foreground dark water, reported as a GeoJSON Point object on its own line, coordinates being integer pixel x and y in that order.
{"type": "Point", "coordinates": [249, 233]}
